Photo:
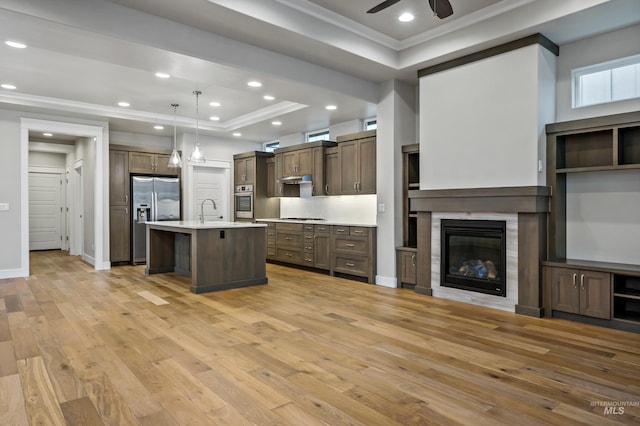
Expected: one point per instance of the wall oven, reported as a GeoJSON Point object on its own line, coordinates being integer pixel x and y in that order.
{"type": "Point", "coordinates": [244, 202]}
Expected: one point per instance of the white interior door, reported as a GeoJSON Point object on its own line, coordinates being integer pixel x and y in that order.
{"type": "Point", "coordinates": [45, 211]}
{"type": "Point", "coordinates": [211, 182]}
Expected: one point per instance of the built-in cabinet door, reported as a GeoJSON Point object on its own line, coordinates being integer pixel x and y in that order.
{"type": "Point", "coordinates": [348, 154]}
{"type": "Point", "coordinates": [162, 165]}
{"type": "Point", "coordinates": [317, 158]}
{"type": "Point", "coordinates": [119, 229]}
{"type": "Point", "coordinates": [322, 252]}
{"type": "Point", "coordinates": [297, 163]}
{"type": "Point", "coordinates": [271, 177]}
{"type": "Point", "coordinates": [581, 292]}
{"type": "Point", "coordinates": [565, 293]}
{"type": "Point", "coordinates": [289, 163]}
{"type": "Point", "coordinates": [305, 162]}
{"type": "Point", "coordinates": [118, 178]}
{"type": "Point", "coordinates": [595, 294]}
{"type": "Point", "coordinates": [332, 171]}
{"type": "Point", "coordinates": [244, 171]}
{"type": "Point", "coordinates": [407, 267]}
{"type": "Point", "coordinates": [366, 166]}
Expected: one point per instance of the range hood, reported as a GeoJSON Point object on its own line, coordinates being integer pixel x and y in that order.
{"type": "Point", "coordinates": [295, 180]}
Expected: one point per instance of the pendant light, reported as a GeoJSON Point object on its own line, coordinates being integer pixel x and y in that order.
{"type": "Point", "coordinates": [197, 156]}
{"type": "Point", "coordinates": [175, 160]}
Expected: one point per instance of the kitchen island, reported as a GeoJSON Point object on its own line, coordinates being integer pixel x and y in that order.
{"type": "Point", "coordinates": [217, 255]}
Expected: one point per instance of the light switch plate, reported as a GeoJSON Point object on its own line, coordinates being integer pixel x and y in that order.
{"type": "Point", "coordinates": [381, 208]}
{"type": "Point", "coordinates": [4, 207]}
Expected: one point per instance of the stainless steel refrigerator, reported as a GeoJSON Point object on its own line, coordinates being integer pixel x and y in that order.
{"type": "Point", "coordinates": [153, 199]}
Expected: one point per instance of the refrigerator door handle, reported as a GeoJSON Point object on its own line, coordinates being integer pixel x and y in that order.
{"type": "Point", "coordinates": [154, 206]}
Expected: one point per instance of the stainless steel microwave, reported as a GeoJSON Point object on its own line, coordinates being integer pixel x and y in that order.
{"type": "Point", "coordinates": [244, 202]}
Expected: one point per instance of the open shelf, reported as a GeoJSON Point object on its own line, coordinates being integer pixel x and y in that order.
{"type": "Point", "coordinates": [626, 297]}
{"type": "Point", "coordinates": [629, 145]}
{"type": "Point", "coordinates": [589, 149]}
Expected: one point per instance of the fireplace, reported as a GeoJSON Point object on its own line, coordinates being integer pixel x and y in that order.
{"type": "Point", "coordinates": [474, 255]}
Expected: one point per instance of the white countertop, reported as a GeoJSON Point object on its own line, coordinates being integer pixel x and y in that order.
{"type": "Point", "coordinates": [196, 224]}
{"type": "Point", "coordinates": [318, 222]}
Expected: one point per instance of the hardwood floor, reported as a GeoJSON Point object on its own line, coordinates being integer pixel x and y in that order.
{"type": "Point", "coordinates": [79, 346]}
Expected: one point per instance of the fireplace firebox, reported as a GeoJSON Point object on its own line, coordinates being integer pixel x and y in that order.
{"type": "Point", "coordinates": [474, 255]}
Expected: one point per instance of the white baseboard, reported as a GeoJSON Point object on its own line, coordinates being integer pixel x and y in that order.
{"type": "Point", "coordinates": [13, 273]}
{"type": "Point", "coordinates": [383, 281]}
{"type": "Point", "coordinates": [90, 260]}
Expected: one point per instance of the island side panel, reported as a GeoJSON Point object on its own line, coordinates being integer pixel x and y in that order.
{"type": "Point", "coordinates": [235, 260]}
{"type": "Point", "coordinates": [160, 251]}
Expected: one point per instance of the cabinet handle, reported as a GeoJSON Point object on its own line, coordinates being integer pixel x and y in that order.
{"type": "Point", "coordinates": [574, 280]}
{"type": "Point", "coordinates": [126, 210]}
{"type": "Point", "coordinates": [350, 264]}
{"type": "Point", "coordinates": [326, 189]}
{"type": "Point", "coordinates": [340, 230]}
{"type": "Point", "coordinates": [350, 245]}
{"type": "Point", "coordinates": [582, 281]}
{"type": "Point", "coordinates": [288, 238]}
{"type": "Point", "coordinates": [358, 186]}
{"type": "Point", "coordinates": [355, 186]}
{"type": "Point", "coordinates": [358, 231]}
{"type": "Point", "coordinates": [289, 254]}
{"type": "Point", "coordinates": [413, 259]}
{"type": "Point", "coordinates": [126, 198]}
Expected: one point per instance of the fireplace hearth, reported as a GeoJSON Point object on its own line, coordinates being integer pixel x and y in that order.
{"type": "Point", "coordinates": [474, 255]}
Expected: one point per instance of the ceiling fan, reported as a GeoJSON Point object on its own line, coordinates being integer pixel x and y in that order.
{"type": "Point", "coordinates": [441, 8]}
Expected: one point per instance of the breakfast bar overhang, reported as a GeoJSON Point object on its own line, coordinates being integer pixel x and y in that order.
{"type": "Point", "coordinates": [217, 255]}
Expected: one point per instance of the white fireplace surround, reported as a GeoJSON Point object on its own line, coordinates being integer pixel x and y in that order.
{"type": "Point", "coordinates": [507, 303]}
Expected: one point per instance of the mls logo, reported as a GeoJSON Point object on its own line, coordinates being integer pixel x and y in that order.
{"type": "Point", "coordinates": [613, 410]}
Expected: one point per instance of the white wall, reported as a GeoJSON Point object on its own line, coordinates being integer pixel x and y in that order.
{"type": "Point", "coordinates": [47, 159]}
{"type": "Point", "coordinates": [480, 123]}
{"type": "Point", "coordinates": [10, 221]}
{"type": "Point", "coordinates": [589, 51]}
{"type": "Point", "coordinates": [85, 151]}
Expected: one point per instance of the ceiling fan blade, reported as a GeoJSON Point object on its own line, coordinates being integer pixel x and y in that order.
{"type": "Point", "coordinates": [385, 4]}
{"type": "Point", "coordinates": [442, 8]}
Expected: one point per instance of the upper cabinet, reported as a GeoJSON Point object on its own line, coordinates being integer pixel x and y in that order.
{"type": "Point", "coordinates": [150, 163]}
{"type": "Point", "coordinates": [298, 161]}
{"type": "Point", "coordinates": [244, 170]}
{"type": "Point", "coordinates": [357, 157]}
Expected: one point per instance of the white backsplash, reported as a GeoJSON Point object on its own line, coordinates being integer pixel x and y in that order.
{"type": "Point", "coordinates": [357, 209]}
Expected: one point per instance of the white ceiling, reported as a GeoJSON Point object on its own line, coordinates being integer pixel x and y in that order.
{"type": "Point", "coordinates": [84, 57]}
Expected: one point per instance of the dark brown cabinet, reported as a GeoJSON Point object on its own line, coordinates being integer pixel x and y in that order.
{"type": "Point", "coordinates": [580, 292]}
{"type": "Point", "coordinates": [357, 156]}
{"type": "Point", "coordinates": [244, 171]}
{"type": "Point", "coordinates": [270, 239]}
{"type": "Point", "coordinates": [150, 163]}
{"type": "Point", "coordinates": [332, 171]}
{"type": "Point", "coordinates": [297, 163]}
{"type": "Point", "coordinates": [407, 268]}
{"type": "Point", "coordinates": [289, 243]}
{"type": "Point", "coordinates": [119, 197]}
{"type": "Point", "coordinates": [271, 177]}
{"type": "Point", "coordinates": [353, 251]}
{"type": "Point", "coordinates": [322, 247]}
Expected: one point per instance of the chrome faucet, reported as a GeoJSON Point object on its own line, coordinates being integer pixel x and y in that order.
{"type": "Point", "coordinates": [202, 208]}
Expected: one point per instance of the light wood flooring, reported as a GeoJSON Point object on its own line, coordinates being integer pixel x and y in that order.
{"type": "Point", "coordinates": [79, 346]}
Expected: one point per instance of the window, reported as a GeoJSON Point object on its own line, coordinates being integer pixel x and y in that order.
{"type": "Point", "coordinates": [607, 82]}
{"type": "Point", "coordinates": [370, 124]}
{"type": "Point", "coordinates": [271, 146]}
{"type": "Point", "coordinates": [318, 135]}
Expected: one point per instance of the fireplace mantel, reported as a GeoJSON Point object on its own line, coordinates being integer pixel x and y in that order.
{"type": "Point", "coordinates": [530, 203]}
{"type": "Point", "coordinates": [508, 199]}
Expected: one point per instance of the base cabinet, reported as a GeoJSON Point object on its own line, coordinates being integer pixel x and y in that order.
{"type": "Point", "coordinates": [580, 292]}
{"type": "Point", "coordinates": [353, 251]}
{"type": "Point", "coordinates": [406, 267]}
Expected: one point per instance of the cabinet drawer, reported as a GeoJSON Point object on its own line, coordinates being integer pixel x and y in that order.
{"type": "Point", "coordinates": [291, 256]}
{"type": "Point", "coordinates": [271, 232]}
{"type": "Point", "coordinates": [322, 229]}
{"type": "Point", "coordinates": [289, 227]}
{"type": "Point", "coordinates": [351, 265]}
{"type": "Point", "coordinates": [271, 243]}
{"type": "Point", "coordinates": [307, 228]}
{"type": "Point", "coordinates": [307, 259]}
{"type": "Point", "coordinates": [358, 231]}
{"type": "Point", "coordinates": [288, 239]}
{"type": "Point", "coordinates": [308, 247]}
{"type": "Point", "coordinates": [340, 230]}
{"type": "Point", "coordinates": [271, 253]}
{"type": "Point", "coordinates": [352, 245]}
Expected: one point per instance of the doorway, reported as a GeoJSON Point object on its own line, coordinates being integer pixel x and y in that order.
{"type": "Point", "coordinates": [97, 253]}
{"type": "Point", "coordinates": [45, 211]}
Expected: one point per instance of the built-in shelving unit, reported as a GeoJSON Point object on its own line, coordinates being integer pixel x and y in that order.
{"type": "Point", "coordinates": [406, 265]}
{"type": "Point", "coordinates": [600, 144]}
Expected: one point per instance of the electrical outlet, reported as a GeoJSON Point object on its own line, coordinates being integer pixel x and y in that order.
{"type": "Point", "coordinates": [381, 208]}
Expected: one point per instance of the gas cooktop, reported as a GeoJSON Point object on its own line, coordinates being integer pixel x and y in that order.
{"type": "Point", "coordinates": [301, 218]}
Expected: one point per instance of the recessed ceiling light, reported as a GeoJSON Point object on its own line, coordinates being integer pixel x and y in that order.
{"type": "Point", "coordinates": [268, 97]}
{"type": "Point", "coordinates": [47, 134]}
{"type": "Point", "coordinates": [162, 75]}
{"type": "Point", "coordinates": [405, 17]}
{"type": "Point", "coordinates": [214, 118]}
{"type": "Point", "coordinates": [236, 134]}
{"type": "Point", "coordinates": [15, 44]}
{"type": "Point", "coordinates": [158, 127]}
{"type": "Point", "coordinates": [214, 104]}
{"type": "Point", "coordinates": [254, 84]}
{"type": "Point", "coordinates": [276, 123]}
{"type": "Point", "coordinates": [8, 86]}
{"type": "Point", "coordinates": [331, 107]}
{"type": "Point", "coordinates": [124, 104]}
